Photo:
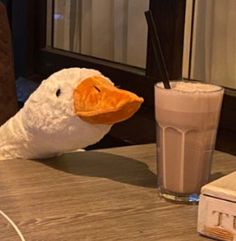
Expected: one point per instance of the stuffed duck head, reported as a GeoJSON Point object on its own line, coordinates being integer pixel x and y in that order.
{"type": "Point", "coordinates": [72, 109]}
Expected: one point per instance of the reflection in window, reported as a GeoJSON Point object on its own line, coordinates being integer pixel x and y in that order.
{"type": "Point", "coordinates": [114, 30]}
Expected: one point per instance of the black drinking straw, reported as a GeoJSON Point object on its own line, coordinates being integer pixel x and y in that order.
{"type": "Point", "coordinates": [159, 57]}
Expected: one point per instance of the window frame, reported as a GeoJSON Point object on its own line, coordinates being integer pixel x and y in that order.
{"type": "Point", "coordinates": [47, 60]}
{"type": "Point", "coordinates": [41, 60]}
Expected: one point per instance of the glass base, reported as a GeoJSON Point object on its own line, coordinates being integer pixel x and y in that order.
{"type": "Point", "coordinates": [179, 197]}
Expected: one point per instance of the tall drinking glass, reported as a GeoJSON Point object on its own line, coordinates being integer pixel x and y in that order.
{"type": "Point", "coordinates": [187, 117]}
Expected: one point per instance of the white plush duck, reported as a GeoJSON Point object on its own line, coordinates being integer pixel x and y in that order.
{"type": "Point", "coordinates": [72, 109]}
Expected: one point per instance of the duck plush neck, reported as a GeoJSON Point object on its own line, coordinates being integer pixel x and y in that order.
{"type": "Point", "coordinates": [72, 109]}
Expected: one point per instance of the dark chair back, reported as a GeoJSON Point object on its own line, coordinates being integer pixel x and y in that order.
{"type": "Point", "coordinates": [8, 100]}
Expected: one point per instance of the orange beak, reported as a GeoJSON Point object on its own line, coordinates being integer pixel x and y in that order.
{"type": "Point", "coordinates": [99, 102]}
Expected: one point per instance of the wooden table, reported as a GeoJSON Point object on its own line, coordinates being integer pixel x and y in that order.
{"type": "Point", "coordinates": [108, 195]}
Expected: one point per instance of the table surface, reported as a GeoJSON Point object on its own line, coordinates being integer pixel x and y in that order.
{"type": "Point", "coordinates": [107, 194]}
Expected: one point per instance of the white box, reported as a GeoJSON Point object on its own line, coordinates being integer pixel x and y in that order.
{"type": "Point", "coordinates": [217, 209]}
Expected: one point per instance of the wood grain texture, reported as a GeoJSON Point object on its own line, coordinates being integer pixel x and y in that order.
{"type": "Point", "coordinates": [101, 195]}
{"type": "Point", "coordinates": [219, 233]}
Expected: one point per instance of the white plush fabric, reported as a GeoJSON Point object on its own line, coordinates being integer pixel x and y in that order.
{"type": "Point", "coordinates": [47, 125]}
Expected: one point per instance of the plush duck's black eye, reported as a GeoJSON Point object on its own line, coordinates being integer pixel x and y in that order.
{"type": "Point", "coordinates": [58, 93]}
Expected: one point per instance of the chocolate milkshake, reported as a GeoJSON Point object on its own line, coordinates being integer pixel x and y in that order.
{"type": "Point", "coordinates": [187, 118]}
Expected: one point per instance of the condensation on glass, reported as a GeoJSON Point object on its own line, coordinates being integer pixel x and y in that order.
{"type": "Point", "coordinates": [114, 30]}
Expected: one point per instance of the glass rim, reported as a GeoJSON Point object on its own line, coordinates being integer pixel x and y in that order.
{"type": "Point", "coordinates": [220, 88]}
